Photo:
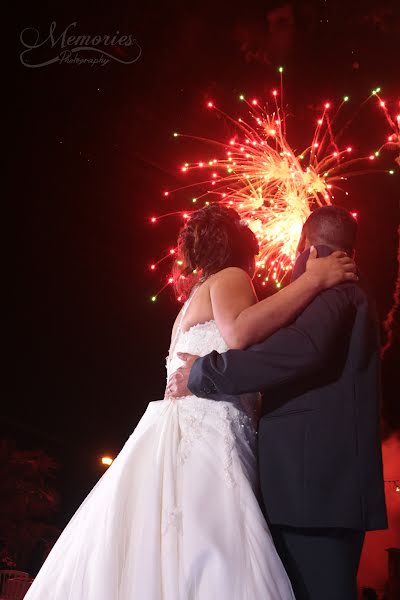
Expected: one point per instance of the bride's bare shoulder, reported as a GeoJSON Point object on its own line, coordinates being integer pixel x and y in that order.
{"type": "Point", "coordinates": [231, 274]}
{"type": "Point", "coordinates": [231, 285]}
{"type": "Point", "coordinates": [231, 292]}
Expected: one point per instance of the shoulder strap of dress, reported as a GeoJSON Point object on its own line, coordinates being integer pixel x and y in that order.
{"type": "Point", "coordinates": [183, 312]}
{"type": "Point", "coordinates": [188, 302]}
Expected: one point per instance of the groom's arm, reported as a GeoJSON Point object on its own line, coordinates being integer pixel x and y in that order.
{"type": "Point", "coordinates": [291, 354]}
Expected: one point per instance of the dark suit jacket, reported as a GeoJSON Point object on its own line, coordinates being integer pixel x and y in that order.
{"type": "Point", "coordinates": [319, 444]}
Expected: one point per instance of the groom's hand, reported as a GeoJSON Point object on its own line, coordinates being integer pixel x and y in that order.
{"type": "Point", "coordinates": [331, 270]}
{"type": "Point", "coordinates": [177, 383]}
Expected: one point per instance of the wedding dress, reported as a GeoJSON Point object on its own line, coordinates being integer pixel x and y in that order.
{"type": "Point", "coordinates": [176, 516]}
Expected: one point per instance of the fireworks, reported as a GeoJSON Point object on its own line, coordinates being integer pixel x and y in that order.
{"type": "Point", "coordinates": [273, 187]}
{"type": "Point", "coordinates": [393, 143]}
{"type": "Point", "coordinates": [393, 140]}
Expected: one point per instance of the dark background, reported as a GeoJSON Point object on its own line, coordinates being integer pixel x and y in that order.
{"type": "Point", "coordinates": [93, 152]}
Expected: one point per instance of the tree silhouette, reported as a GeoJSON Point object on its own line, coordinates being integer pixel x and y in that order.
{"type": "Point", "coordinates": [27, 502]}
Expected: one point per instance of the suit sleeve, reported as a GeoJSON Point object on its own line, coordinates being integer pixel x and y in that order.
{"type": "Point", "coordinates": [288, 356]}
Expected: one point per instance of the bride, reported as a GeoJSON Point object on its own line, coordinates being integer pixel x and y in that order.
{"type": "Point", "coordinates": [176, 516]}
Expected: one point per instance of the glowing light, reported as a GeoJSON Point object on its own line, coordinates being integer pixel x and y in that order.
{"type": "Point", "coordinates": [152, 267]}
{"type": "Point", "coordinates": [106, 460]}
{"type": "Point", "coordinates": [346, 98]}
{"type": "Point", "coordinates": [210, 104]}
{"type": "Point", "coordinates": [166, 193]}
{"type": "Point", "coordinates": [153, 298]}
{"type": "Point", "coordinates": [328, 105]}
{"type": "Point", "coordinates": [153, 219]}
{"type": "Point", "coordinates": [254, 102]}
{"type": "Point", "coordinates": [280, 69]}
{"type": "Point", "coordinates": [391, 172]}
{"type": "Point", "coordinates": [172, 251]}
{"type": "Point", "coordinates": [274, 93]}
{"type": "Point", "coordinates": [241, 97]}
{"type": "Point", "coordinates": [355, 215]}
{"type": "Point", "coordinates": [176, 134]}
{"type": "Point", "coordinates": [171, 280]}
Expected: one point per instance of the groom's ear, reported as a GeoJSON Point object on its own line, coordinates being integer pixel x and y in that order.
{"type": "Point", "coordinates": [301, 245]}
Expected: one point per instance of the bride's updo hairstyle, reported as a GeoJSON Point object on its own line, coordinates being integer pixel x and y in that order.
{"type": "Point", "coordinates": [212, 239]}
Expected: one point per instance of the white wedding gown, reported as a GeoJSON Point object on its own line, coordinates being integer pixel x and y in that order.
{"type": "Point", "coordinates": [176, 515]}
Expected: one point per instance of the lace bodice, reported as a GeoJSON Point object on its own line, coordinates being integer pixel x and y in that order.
{"type": "Point", "coordinates": [199, 340]}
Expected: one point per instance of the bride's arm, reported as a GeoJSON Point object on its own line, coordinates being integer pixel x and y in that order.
{"type": "Point", "coordinates": [243, 322]}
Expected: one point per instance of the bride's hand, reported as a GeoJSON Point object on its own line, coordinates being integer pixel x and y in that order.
{"type": "Point", "coordinates": [177, 386]}
{"type": "Point", "coordinates": [331, 270]}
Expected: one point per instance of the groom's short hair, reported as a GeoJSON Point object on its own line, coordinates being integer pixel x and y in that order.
{"type": "Point", "coordinates": [332, 226]}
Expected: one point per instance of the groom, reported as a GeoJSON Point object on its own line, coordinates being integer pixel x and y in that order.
{"type": "Point", "coordinates": [319, 447]}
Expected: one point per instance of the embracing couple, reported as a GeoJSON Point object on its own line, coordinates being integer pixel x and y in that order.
{"type": "Point", "coordinates": [218, 495]}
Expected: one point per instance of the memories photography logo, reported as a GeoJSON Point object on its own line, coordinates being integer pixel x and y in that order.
{"type": "Point", "coordinates": [71, 47]}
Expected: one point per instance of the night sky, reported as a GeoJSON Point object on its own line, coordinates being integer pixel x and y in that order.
{"type": "Point", "coordinates": [93, 151]}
